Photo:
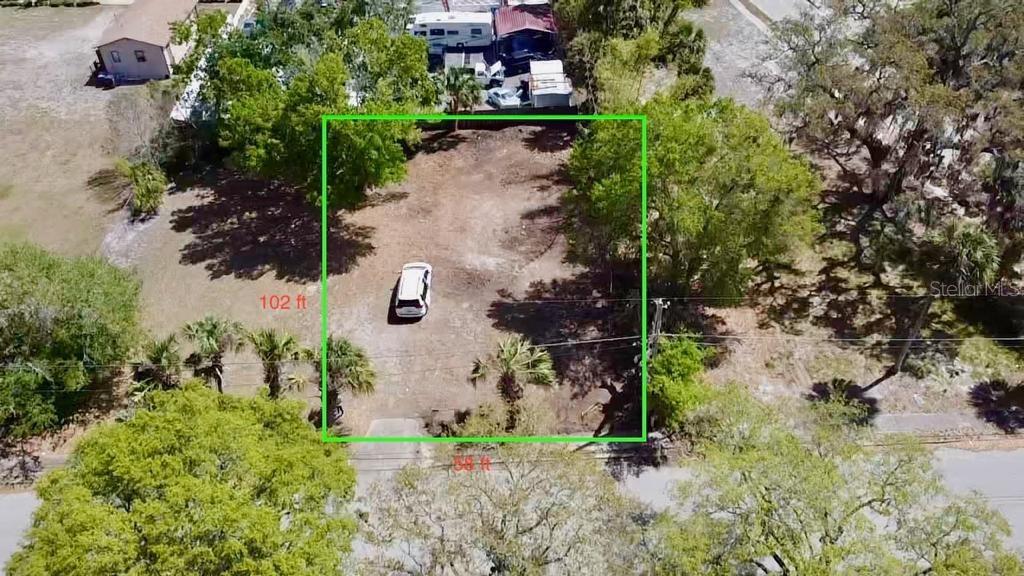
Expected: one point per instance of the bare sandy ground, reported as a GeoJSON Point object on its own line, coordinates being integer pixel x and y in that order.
{"type": "Point", "coordinates": [55, 132]}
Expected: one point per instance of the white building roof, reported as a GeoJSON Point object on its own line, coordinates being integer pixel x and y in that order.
{"type": "Point", "coordinates": [148, 21]}
{"type": "Point", "coordinates": [548, 77]}
{"type": "Point", "coordinates": [426, 18]}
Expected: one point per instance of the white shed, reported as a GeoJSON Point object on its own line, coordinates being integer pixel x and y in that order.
{"type": "Point", "coordinates": [549, 86]}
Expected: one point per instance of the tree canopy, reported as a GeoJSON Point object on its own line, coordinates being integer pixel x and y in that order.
{"type": "Point", "coordinates": [611, 46]}
{"type": "Point", "coordinates": [767, 500]}
{"type": "Point", "coordinates": [537, 511]}
{"type": "Point", "coordinates": [65, 324]}
{"type": "Point", "coordinates": [196, 483]}
{"type": "Point", "coordinates": [916, 98]}
{"type": "Point", "coordinates": [271, 89]}
{"type": "Point", "coordinates": [724, 195]}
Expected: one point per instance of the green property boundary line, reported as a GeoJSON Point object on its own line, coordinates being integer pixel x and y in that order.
{"type": "Point", "coordinates": [326, 119]}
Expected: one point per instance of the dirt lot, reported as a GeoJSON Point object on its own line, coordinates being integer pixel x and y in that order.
{"type": "Point", "coordinates": [481, 207]}
{"type": "Point", "coordinates": [485, 214]}
{"type": "Point", "coordinates": [55, 132]}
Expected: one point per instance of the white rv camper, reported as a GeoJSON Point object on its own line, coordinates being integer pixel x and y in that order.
{"type": "Point", "coordinates": [453, 29]}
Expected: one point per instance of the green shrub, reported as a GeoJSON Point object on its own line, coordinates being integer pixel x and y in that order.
{"type": "Point", "coordinates": [988, 359]}
{"type": "Point", "coordinates": [675, 385]}
{"type": "Point", "coordinates": [63, 324]}
{"type": "Point", "coordinates": [147, 186]}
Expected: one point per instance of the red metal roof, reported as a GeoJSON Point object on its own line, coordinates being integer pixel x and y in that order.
{"type": "Point", "coordinates": [509, 19]}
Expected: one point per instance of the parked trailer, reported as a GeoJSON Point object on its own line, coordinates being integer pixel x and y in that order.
{"type": "Point", "coordinates": [453, 29]}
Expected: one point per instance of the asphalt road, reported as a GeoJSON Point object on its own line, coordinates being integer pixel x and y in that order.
{"type": "Point", "coordinates": [15, 516]}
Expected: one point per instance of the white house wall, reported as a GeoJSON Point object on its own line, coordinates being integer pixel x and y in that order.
{"type": "Point", "coordinates": [155, 67]}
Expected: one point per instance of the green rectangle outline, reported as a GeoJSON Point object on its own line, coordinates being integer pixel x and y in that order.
{"type": "Point", "coordinates": [327, 438]}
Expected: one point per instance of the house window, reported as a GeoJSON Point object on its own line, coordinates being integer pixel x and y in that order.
{"type": "Point", "coordinates": [115, 56]}
{"type": "Point", "coordinates": [140, 55]}
{"type": "Point", "coordinates": [420, 33]}
{"type": "Point", "coordinates": [476, 31]}
{"type": "Point", "coordinates": [437, 31]}
{"type": "Point", "coordinates": [453, 32]}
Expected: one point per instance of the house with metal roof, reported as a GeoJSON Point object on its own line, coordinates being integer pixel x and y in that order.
{"type": "Point", "coordinates": [525, 32]}
{"type": "Point", "coordinates": [138, 44]}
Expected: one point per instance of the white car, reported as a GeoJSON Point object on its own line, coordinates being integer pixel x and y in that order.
{"type": "Point", "coordinates": [502, 98]}
{"type": "Point", "coordinates": [412, 297]}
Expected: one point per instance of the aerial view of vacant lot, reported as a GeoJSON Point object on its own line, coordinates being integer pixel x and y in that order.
{"type": "Point", "coordinates": [308, 288]}
{"type": "Point", "coordinates": [484, 211]}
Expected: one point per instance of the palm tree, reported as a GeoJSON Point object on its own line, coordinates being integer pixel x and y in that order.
{"type": "Point", "coordinates": [162, 363]}
{"type": "Point", "coordinates": [273, 348]}
{"type": "Point", "coordinates": [517, 361]}
{"type": "Point", "coordinates": [348, 368]}
{"type": "Point", "coordinates": [213, 337]}
{"type": "Point", "coordinates": [961, 254]}
{"type": "Point", "coordinates": [462, 90]}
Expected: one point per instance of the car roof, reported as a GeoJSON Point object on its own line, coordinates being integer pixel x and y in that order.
{"type": "Point", "coordinates": [410, 281]}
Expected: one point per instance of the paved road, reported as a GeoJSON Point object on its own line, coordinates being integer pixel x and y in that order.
{"type": "Point", "coordinates": [15, 516]}
{"type": "Point", "coordinates": [995, 474]}
{"type": "Point", "coordinates": [735, 40]}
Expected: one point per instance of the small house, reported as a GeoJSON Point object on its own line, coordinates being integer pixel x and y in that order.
{"type": "Point", "coordinates": [138, 44]}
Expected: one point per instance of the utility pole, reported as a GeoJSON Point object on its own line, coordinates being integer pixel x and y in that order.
{"type": "Point", "coordinates": [652, 346]}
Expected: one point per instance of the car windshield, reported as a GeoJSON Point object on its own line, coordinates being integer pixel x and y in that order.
{"type": "Point", "coordinates": [409, 304]}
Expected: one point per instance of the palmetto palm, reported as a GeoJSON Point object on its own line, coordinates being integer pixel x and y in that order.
{"type": "Point", "coordinates": [273, 348]}
{"type": "Point", "coordinates": [348, 368]}
{"type": "Point", "coordinates": [516, 361]}
{"type": "Point", "coordinates": [162, 363]}
{"type": "Point", "coordinates": [961, 254]}
{"type": "Point", "coordinates": [213, 337]}
{"type": "Point", "coordinates": [462, 90]}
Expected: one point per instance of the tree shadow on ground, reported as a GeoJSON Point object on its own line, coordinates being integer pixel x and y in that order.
{"type": "Point", "coordinates": [999, 404]}
{"type": "Point", "coordinates": [553, 137]}
{"type": "Point", "coordinates": [109, 188]}
{"type": "Point", "coordinates": [634, 459]}
{"type": "Point", "coordinates": [434, 141]}
{"type": "Point", "coordinates": [570, 310]}
{"type": "Point", "coordinates": [557, 178]}
{"type": "Point", "coordinates": [247, 228]}
{"type": "Point", "coordinates": [848, 392]}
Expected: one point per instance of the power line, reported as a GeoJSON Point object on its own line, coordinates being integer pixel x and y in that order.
{"type": "Point", "coordinates": [286, 361]}
{"type": "Point", "coordinates": [463, 367]}
{"type": "Point", "coordinates": [831, 339]}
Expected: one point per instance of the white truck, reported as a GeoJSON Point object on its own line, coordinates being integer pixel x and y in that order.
{"type": "Point", "coordinates": [453, 29]}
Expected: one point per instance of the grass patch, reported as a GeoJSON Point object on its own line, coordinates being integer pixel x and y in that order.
{"type": "Point", "coordinates": [6, 190]}
{"type": "Point", "coordinates": [836, 365]}
{"type": "Point", "coordinates": [988, 359]}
